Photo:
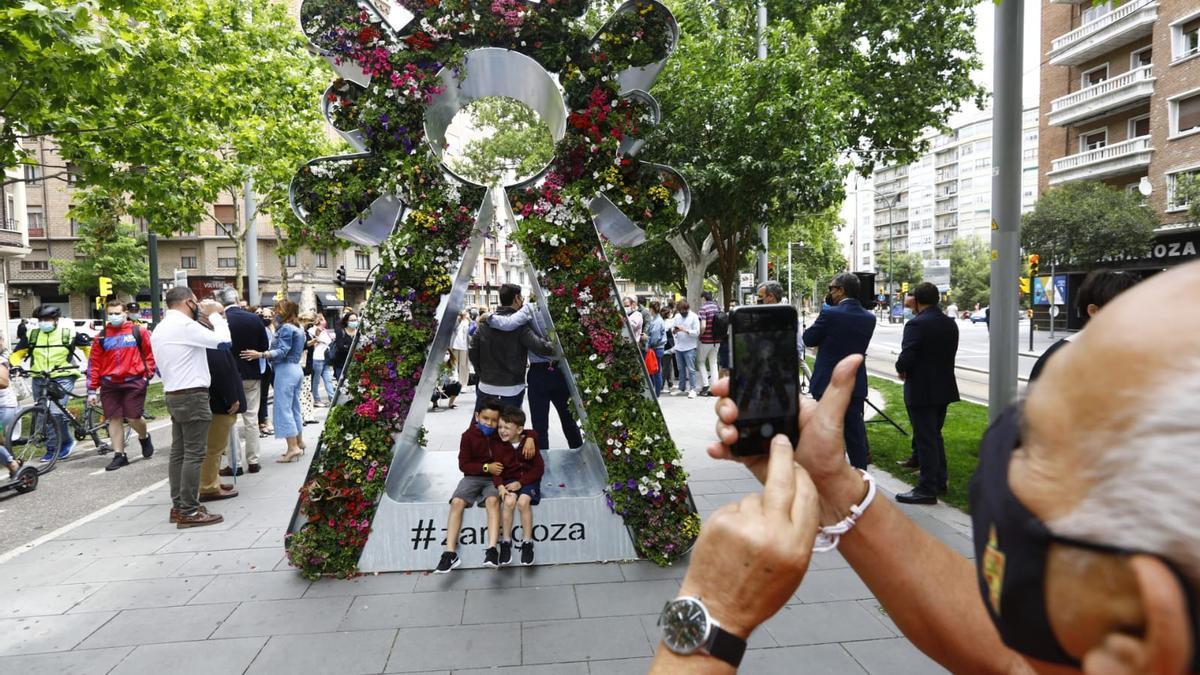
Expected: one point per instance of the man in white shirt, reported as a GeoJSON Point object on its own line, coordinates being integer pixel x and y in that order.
{"type": "Point", "coordinates": [686, 327]}
{"type": "Point", "coordinates": [180, 339]}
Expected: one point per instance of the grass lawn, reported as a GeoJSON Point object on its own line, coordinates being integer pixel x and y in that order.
{"type": "Point", "coordinates": [965, 424]}
{"type": "Point", "coordinates": [156, 405]}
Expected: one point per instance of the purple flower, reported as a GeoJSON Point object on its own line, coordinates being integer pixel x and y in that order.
{"type": "Point", "coordinates": [618, 485]}
{"type": "Point", "coordinates": [631, 483]}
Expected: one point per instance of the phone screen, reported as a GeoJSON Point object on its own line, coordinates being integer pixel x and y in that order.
{"type": "Point", "coordinates": [765, 382]}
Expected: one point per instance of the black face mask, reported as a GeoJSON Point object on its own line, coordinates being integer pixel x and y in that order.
{"type": "Point", "coordinates": [1011, 550]}
{"type": "Point", "coordinates": [829, 299]}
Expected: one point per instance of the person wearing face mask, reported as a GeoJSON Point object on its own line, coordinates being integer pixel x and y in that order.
{"type": "Point", "coordinates": [119, 371]}
{"type": "Point", "coordinates": [51, 349]}
{"type": "Point", "coordinates": [344, 341]}
{"type": "Point", "coordinates": [188, 329]}
{"type": "Point", "coordinates": [477, 487]}
{"type": "Point", "coordinates": [1085, 550]}
{"type": "Point", "coordinates": [287, 349]}
{"type": "Point", "coordinates": [686, 329]}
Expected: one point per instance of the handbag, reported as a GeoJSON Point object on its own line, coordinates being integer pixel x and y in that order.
{"type": "Point", "coordinates": [651, 362]}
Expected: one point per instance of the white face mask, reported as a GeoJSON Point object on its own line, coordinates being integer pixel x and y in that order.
{"type": "Point", "coordinates": [115, 320]}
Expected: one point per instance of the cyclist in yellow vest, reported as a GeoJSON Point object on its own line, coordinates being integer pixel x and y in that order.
{"type": "Point", "coordinates": [51, 348]}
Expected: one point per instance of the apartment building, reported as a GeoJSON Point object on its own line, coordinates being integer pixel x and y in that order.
{"type": "Point", "coordinates": [14, 237]}
{"type": "Point", "coordinates": [1120, 103]}
{"type": "Point", "coordinates": [925, 206]}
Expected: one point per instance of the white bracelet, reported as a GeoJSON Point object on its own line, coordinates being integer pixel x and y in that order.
{"type": "Point", "coordinates": [829, 535]}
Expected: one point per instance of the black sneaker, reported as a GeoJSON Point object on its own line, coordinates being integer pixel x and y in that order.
{"type": "Point", "coordinates": [505, 552]}
{"type": "Point", "coordinates": [527, 553]}
{"type": "Point", "coordinates": [119, 460]}
{"type": "Point", "coordinates": [449, 561]}
{"type": "Point", "coordinates": [147, 446]}
{"type": "Point", "coordinates": [491, 557]}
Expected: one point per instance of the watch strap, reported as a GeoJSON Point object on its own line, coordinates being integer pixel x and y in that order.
{"type": "Point", "coordinates": [726, 646]}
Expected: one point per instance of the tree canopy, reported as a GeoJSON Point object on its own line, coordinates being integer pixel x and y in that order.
{"type": "Point", "coordinates": [1083, 224]}
{"type": "Point", "coordinates": [107, 247]}
{"type": "Point", "coordinates": [513, 142]}
{"type": "Point", "coordinates": [970, 272]}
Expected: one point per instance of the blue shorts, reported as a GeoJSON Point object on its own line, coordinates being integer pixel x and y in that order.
{"type": "Point", "coordinates": [534, 491]}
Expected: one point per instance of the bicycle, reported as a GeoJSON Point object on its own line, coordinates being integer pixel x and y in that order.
{"type": "Point", "coordinates": [29, 436]}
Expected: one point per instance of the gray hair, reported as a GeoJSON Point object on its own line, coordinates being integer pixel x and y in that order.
{"type": "Point", "coordinates": [178, 295]}
{"type": "Point", "coordinates": [773, 289]}
{"type": "Point", "coordinates": [1142, 491]}
{"type": "Point", "coordinates": [227, 296]}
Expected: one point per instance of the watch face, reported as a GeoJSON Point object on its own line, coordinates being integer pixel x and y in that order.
{"type": "Point", "coordinates": [685, 625]}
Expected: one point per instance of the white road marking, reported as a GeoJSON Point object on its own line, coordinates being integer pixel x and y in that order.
{"type": "Point", "coordinates": [9, 555]}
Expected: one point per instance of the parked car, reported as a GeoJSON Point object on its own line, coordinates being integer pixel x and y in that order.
{"type": "Point", "coordinates": [980, 316]}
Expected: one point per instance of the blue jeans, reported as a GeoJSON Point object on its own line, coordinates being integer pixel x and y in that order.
{"type": "Point", "coordinates": [322, 373]}
{"type": "Point", "coordinates": [7, 416]}
{"type": "Point", "coordinates": [686, 361]}
{"type": "Point", "coordinates": [59, 428]}
{"type": "Point", "coordinates": [286, 410]}
{"type": "Point", "coordinates": [657, 378]}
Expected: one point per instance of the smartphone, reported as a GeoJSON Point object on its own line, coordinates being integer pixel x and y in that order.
{"type": "Point", "coordinates": [765, 382]}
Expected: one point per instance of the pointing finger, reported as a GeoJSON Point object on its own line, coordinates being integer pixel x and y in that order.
{"type": "Point", "coordinates": [779, 490]}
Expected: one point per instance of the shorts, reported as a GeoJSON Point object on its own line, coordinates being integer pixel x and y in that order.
{"type": "Point", "coordinates": [123, 399]}
{"type": "Point", "coordinates": [474, 490]}
{"type": "Point", "coordinates": [534, 491]}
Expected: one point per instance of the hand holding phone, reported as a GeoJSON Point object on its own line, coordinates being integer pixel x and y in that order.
{"type": "Point", "coordinates": [765, 382]}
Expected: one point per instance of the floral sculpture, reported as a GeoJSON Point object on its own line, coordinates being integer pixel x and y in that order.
{"type": "Point", "coordinates": [395, 61]}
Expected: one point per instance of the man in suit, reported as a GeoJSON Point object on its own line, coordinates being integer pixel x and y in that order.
{"type": "Point", "coordinates": [842, 329]}
{"type": "Point", "coordinates": [926, 364]}
{"type": "Point", "coordinates": [248, 332]}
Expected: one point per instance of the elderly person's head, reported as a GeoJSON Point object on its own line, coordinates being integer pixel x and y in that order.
{"type": "Point", "coordinates": [1103, 454]}
{"type": "Point", "coordinates": [770, 293]}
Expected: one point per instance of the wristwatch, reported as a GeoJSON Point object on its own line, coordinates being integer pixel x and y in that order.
{"type": "Point", "coordinates": [688, 628]}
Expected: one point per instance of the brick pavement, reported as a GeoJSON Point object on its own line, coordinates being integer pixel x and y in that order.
{"type": "Point", "coordinates": [127, 593]}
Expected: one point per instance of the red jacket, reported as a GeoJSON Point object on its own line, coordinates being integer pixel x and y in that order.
{"type": "Point", "coordinates": [115, 356]}
{"type": "Point", "coordinates": [516, 467]}
{"type": "Point", "coordinates": [474, 450]}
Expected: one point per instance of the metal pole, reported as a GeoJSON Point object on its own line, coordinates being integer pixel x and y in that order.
{"type": "Point", "coordinates": [251, 244]}
{"type": "Point", "coordinates": [891, 278]}
{"type": "Point", "coordinates": [155, 284]}
{"type": "Point", "coordinates": [1054, 295]}
{"type": "Point", "coordinates": [791, 297]}
{"type": "Point", "coordinates": [762, 228]}
{"type": "Point", "coordinates": [1006, 206]}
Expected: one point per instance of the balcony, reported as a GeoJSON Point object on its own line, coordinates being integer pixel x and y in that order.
{"type": "Point", "coordinates": [1123, 91]}
{"type": "Point", "coordinates": [946, 193]}
{"type": "Point", "coordinates": [1112, 160]}
{"type": "Point", "coordinates": [946, 206]}
{"type": "Point", "coordinates": [1132, 21]}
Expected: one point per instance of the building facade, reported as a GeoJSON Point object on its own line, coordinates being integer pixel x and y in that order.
{"type": "Point", "coordinates": [925, 206]}
{"type": "Point", "coordinates": [1120, 97]}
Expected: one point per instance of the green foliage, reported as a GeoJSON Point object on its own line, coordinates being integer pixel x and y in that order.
{"type": "Point", "coordinates": [515, 142]}
{"type": "Point", "coordinates": [1083, 224]}
{"type": "Point", "coordinates": [653, 262]}
{"type": "Point", "coordinates": [106, 247]}
{"type": "Point", "coordinates": [970, 272]}
{"type": "Point", "coordinates": [1187, 191]}
{"type": "Point", "coordinates": [763, 139]}
{"type": "Point", "coordinates": [902, 268]}
{"type": "Point", "coordinates": [816, 258]}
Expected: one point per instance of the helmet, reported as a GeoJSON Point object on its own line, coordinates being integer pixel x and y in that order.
{"type": "Point", "coordinates": [47, 312]}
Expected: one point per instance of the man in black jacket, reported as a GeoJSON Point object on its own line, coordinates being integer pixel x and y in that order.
{"type": "Point", "coordinates": [247, 331]}
{"type": "Point", "coordinates": [926, 364]}
{"type": "Point", "coordinates": [226, 399]}
{"type": "Point", "coordinates": [500, 357]}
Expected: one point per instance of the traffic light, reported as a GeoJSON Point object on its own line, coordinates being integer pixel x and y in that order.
{"type": "Point", "coordinates": [341, 276]}
{"type": "Point", "coordinates": [1033, 264]}
{"type": "Point", "coordinates": [105, 287]}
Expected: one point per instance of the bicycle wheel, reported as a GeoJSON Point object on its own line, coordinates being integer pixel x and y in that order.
{"type": "Point", "coordinates": [28, 438]}
{"type": "Point", "coordinates": [95, 424]}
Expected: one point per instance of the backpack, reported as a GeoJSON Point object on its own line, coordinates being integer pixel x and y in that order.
{"type": "Point", "coordinates": [137, 338]}
{"type": "Point", "coordinates": [67, 337]}
{"type": "Point", "coordinates": [720, 325]}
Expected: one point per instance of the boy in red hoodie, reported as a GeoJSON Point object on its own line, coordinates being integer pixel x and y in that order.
{"type": "Point", "coordinates": [481, 468]}
{"type": "Point", "coordinates": [520, 483]}
{"type": "Point", "coordinates": [120, 368]}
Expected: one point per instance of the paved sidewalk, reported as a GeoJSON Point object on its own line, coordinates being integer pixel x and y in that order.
{"type": "Point", "coordinates": [127, 593]}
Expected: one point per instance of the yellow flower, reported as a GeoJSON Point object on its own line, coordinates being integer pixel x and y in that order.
{"type": "Point", "coordinates": [358, 449]}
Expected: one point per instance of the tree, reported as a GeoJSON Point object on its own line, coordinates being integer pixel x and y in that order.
{"type": "Point", "coordinates": [763, 139]}
{"type": "Point", "coordinates": [652, 262]}
{"type": "Point", "coordinates": [514, 143]}
{"type": "Point", "coordinates": [1187, 191]}
{"type": "Point", "coordinates": [1083, 224]}
{"type": "Point", "coordinates": [816, 258]}
{"type": "Point", "coordinates": [107, 247]}
{"type": "Point", "coordinates": [902, 268]}
{"type": "Point", "coordinates": [970, 272]}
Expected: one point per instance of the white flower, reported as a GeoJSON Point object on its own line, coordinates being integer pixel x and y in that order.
{"type": "Point", "coordinates": [661, 475]}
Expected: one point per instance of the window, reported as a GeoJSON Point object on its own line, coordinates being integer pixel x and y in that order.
{"type": "Point", "coordinates": [362, 260]}
{"type": "Point", "coordinates": [1093, 140]}
{"type": "Point", "coordinates": [33, 173]}
{"type": "Point", "coordinates": [983, 163]}
{"type": "Point", "coordinates": [1142, 57]}
{"type": "Point", "coordinates": [1139, 126]}
{"type": "Point", "coordinates": [227, 256]}
{"type": "Point", "coordinates": [1094, 76]}
{"type": "Point", "coordinates": [1185, 113]}
{"type": "Point", "coordinates": [35, 265]}
{"type": "Point", "coordinates": [966, 150]}
{"type": "Point", "coordinates": [867, 247]}
{"type": "Point", "coordinates": [322, 259]}
{"type": "Point", "coordinates": [1029, 154]}
{"type": "Point", "coordinates": [1185, 38]}
{"type": "Point", "coordinates": [1094, 12]}
{"type": "Point", "coordinates": [36, 220]}
{"type": "Point", "coordinates": [75, 227]}
{"type": "Point", "coordinates": [188, 259]}
{"type": "Point", "coordinates": [1174, 203]}
{"type": "Point", "coordinates": [72, 173]}
{"type": "Point", "coordinates": [289, 260]}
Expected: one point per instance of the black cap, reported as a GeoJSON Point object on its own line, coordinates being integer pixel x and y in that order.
{"type": "Point", "coordinates": [47, 312]}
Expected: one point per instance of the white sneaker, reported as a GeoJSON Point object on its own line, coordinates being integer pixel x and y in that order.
{"type": "Point", "coordinates": [692, 394]}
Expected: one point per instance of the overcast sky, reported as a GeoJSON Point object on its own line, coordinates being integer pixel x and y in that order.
{"type": "Point", "coordinates": [985, 39]}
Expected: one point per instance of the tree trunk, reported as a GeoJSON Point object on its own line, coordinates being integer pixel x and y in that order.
{"type": "Point", "coordinates": [728, 256]}
{"type": "Point", "coordinates": [696, 260]}
{"type": "Point", "coordinates": [283, 280]}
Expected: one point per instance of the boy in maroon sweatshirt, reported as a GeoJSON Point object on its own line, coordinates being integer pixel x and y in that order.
{"type": "Point", "coordinates": [479, 466]}
{"type": "Point", "coordinates": [520, 483]}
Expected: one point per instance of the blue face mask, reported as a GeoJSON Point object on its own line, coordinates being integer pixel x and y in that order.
{"type": "Point", "coordinates": [115, 320]}
{"type": "Point", "coordinates": [485, 429]}
{"type": "Point", "coordinates": [351, 324]}
{"type": "Point", "coordinates": [46, 326]}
